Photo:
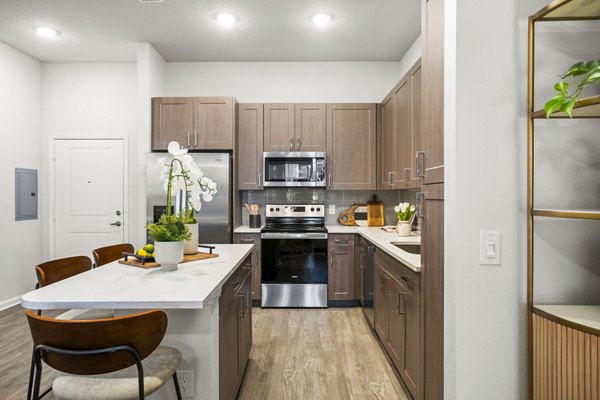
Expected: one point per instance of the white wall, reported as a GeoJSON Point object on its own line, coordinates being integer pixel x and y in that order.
{"type": "Point", "coordinates": [87, 100]}
{"type": "Point", "coordinates": [486, 137]}
{"type": "Point", "coordinates": [265, 82]}
{"type": "Point", "coordinates": [20, 125]}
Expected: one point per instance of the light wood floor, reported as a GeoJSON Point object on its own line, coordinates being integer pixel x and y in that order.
{"type": "Point", "coordinates": [298, 354]}
{"type": "Point", "coordinates": [314, 354]}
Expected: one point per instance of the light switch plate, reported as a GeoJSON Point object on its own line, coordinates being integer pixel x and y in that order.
{"type": "Point", "coordinates": [489, 247]}
{"type": "Point", "coordinates": [332, 209]}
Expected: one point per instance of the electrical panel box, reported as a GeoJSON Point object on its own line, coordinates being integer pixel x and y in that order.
{"type": "Point", "coordinates": [26, 194]}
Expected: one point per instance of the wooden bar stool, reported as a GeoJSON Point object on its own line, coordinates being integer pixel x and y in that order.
{"type": "Point", "coordinates": [56, 270]}
{"type": "Point", "coordinates": [108, 254]}
{"type": "Point", "coordinates": [102, 358]}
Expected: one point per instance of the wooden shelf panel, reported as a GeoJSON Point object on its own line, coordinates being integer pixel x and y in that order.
{"type": "Point", "coordinates": [581, 317]}
{"type": "Point", "coordinates": [588, 107]}
{"type": "Point", "coordinates": [564, 10]}
{"type": "Point", "coordinates": [572, 214]}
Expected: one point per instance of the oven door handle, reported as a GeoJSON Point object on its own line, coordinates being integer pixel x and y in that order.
{"type": "Point", "coordinates": [290, 235]}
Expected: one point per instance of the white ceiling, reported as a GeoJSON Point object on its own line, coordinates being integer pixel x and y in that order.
{"type": "Point", "coordinates": [185, 30]}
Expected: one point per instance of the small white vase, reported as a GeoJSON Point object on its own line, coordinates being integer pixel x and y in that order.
{"type": "Point", "coordinates": [191, 246]}
{"type": "Point", "coordinates": [168, 254]}
{"type": "Point", "coordinates": [403, 228]}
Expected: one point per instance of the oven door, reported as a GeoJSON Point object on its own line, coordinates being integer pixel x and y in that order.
{"type": "Point", "coordinates": [294, 270]}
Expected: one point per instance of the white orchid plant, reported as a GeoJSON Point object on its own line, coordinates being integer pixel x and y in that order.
{"type": "Point", "coordinates": [179, 173]}
{"type": "Point", "coordinates": [405, 211]}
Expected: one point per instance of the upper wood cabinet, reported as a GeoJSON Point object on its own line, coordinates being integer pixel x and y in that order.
{"type": "Point", "coordinates": [279, 127]}
{"type": "Point", "coordinates": [295, 127]}
{"type": "Point", "coordinates": [401, 132]}
{"type": "Point", "coordinates": [198, 123]}
{"type": "Point", "coordinates": [432, 161]}
{"type": "Point", "coordinates": [351, 146]}
{"type": "Point", "coordinates": [172, 119]}
{"type": "Point", "coordinates": [310, 127]}
{"type": "Point", "coordinates": [249, 147]}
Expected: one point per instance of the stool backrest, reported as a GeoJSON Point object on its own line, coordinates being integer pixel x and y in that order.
{"type": "Point", "coordinates": [143, 332]}
{"type": "Point", "coordinates": [108, 254]}
{"type": "Point", "coordinates": [62, 268]}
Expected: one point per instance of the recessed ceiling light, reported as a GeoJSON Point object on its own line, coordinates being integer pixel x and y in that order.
{"type": "Point", "coordinates": [46, 32]}
{"type": "Point", "coordinates": [321, 19]}
{"type": "Point", "coordinates": [226, 19]}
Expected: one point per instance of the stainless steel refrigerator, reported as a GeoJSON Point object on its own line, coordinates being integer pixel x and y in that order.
{"type": "Point", "coordinates": [215, 217]}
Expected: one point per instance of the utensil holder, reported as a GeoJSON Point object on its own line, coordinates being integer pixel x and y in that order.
{"type": "Point", "coordinates": [254, 221]}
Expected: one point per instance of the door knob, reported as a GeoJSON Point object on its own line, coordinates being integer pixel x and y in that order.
{"type": "Point", "coordinates": [118, 223]}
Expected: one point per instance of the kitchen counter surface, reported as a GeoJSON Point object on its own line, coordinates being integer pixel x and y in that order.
{"type": "Point", "coordinates": [246, 229]}
{"type": "Point", "coordinates": [118, 286]}
{"type": "Point", "coordinates": [383, 240]}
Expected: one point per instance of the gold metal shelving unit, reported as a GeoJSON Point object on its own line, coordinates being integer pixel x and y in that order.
{"type": "Point", "coordinates": [552, 335]}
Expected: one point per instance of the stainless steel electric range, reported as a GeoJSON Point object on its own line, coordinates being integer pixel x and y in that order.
{"type": "Point", "coordinates": [294, 256]}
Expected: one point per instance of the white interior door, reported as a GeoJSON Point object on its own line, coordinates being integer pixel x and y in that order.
{"type": "Point", "coordinates": [88, 195]}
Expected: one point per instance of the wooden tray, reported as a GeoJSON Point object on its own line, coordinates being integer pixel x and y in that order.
{"type": "Point", "coordinates": [152, 264]}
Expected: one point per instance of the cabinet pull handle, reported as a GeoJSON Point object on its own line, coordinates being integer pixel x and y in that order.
{"type": "Point", "coordinates": [189, 141]}
{"type": "Point", "coordinates": [405, 278]}
{"type": "Point", "coordinates": [247, 266]}
{"type": "Point", "coordinates": [400, 303]}
{"type": "Point", "coordinates": [298, 141]}
{"type": "Point", "coordinates": [246, 240]}
{"type": "Point", "coordinates": [385, 286]}
{"type": "Point", "coordinates": [291, 144]}
{"type": "Point", "coordinates": [329, 182]}
{"type": "Point", "coordinates": [418, 164]}
{"type": "Point", "coordinates": [390, 178]}
{"type": "Point", "coordinates": [195, 139]}
{"type": "Point", "coordinates": [260, 181]}
{"type": "Point", "coordinates": [407, 173]}
{"type": "Point", "coordinates": [243, 297]}
{"type": "Point", "coordinates": [421, 205]}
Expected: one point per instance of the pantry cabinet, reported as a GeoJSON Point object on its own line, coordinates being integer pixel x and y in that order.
{"type": "Point", "coordinates": [341, 270]}
{"type": "Point", "coordinates": [351, 146]}
{"type": "Point", "coordinates": [197, 123]}
{"type": "Point", "coordinates": [249, 147]}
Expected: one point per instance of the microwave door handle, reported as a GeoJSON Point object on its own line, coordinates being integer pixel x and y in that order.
{"type": "Point", "coordinates": [313, 170]}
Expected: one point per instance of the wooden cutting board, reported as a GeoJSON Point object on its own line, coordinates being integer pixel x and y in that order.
{"type": "Point", "coordinates": [134, 262]}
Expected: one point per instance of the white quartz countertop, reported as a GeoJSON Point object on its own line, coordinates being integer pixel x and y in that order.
{"type": "Point", "coordinates": [586, 315]}
{"type": "Point", "coordinates": [384, 241]}
{"type": "Point", "coordinates": [118, 286]}
{"type": "Point", "coordinates": [246, 229]}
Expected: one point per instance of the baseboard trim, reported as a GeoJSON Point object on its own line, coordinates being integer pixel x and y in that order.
{"type": "Point", "coordinates": [10, 303]}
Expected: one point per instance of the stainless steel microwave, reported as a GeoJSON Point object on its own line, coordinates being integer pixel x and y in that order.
{"type": "Point", "coordinates": [295, 169]}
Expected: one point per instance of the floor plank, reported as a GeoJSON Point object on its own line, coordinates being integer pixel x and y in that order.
{"type": "Point", "coordinates": [316, 354]}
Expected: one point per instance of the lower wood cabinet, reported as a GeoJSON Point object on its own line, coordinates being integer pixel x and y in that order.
{"type": "Point", "coordinates": [341, 271]}
{"type": "Point", "coordinates": [235, 330]}
{"type": "Point", "coordinates": [398, 318]}
{"type": "Point", "coordinates": [252, 238]}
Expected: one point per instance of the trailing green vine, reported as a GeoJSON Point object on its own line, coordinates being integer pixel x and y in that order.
{"type": "Point", "coordinates": [563, 100]}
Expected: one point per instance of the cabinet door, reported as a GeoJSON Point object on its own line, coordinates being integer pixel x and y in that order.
{"type": "Point", "coordinates": [395, 343]}
{"type": "Point", "coordinates": [351, 146]}
{"type": "Point", "coordinates": [388, 141]}
{"type": "Point", "coordinates": [213, 123]}
{"type": "Point", "coordinates": [433, 91]}
{"type": "Point", "coordinates": [249, 147]}
{"type": "Point", "coordinates": [254, 239]}
{"type": "Point", "coordinates": [311, 127]}
{"type": "Point", "coordinates": [228, 347]}
{"type": "Point", "coordinates": [403, 133]}
{"type": "Point", "coordinates": [279, 127]}
{"type": "Point", "coordinates": [244, 324]}
{"type": "Point", "coordinates": [416, 118]}
{"type": "Point", "coordinates": [412, 371]}
{"type": "Point", "coordinates": [172, 119]}
{"type": "Point", "coordinates": [432, 276]}
{"type": "Point", "coordinates": [381, 301]}
{"type": "Point", "coordinates": [340, 280]}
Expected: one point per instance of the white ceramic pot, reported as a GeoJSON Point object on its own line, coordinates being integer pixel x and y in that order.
{"type": "Point", "coordinates": [403, 228]}
{"type": "Point", "coordinates": [168, 254]}
{"type": "Point", "coordinates": [191, 246]}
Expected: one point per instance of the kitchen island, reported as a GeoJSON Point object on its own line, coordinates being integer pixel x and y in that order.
{"type": "Point", "coordinates": [190, 296]}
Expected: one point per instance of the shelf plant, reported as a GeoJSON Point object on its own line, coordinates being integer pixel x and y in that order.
{"type": "Point", "coordinates": [563, 100]}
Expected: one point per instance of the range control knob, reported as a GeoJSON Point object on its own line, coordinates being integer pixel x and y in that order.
{"type": "Point", "coordinates": [271, 209]}
{"type": "Point", "coordinates": [318, 208]}
{"type": "Point", "coordinates": [312, 209]}
{"type": "Point", "coordinates": [277, 209]}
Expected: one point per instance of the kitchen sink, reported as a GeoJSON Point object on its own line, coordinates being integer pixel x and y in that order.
{"type": "Point", "coordinates": [409, 248]}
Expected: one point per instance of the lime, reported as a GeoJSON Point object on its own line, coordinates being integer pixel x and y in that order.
{"type": "Point", "coordinates": [149, 248]}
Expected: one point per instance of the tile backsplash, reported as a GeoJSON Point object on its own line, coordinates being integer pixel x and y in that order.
{"type": "Point", "coordinates": [341, 199]}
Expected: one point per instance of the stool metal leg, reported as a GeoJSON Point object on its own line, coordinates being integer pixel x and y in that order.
{"type": "Point", "coordinates": [176, 382]}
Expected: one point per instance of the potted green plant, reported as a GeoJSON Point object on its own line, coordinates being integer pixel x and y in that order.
{"type": "Point", "coordinates": [406, 214]}
{"type": "Point", "coordinates": [180, 175]}
{"type": "Point", "coordinates": [563, 100]}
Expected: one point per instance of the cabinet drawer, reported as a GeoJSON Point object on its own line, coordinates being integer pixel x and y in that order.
{"type": "Point", "coordinates": [247, 238]}
{"type": "Point", "coordinates": [408, 278]}
{"type": "Point", "coordinates": [341, 240]}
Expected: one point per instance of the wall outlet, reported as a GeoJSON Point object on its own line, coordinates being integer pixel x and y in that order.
{"type": "Point", "coordinates": [186, 382]}
{"type": "Point", "coordinates": [332, 209]}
